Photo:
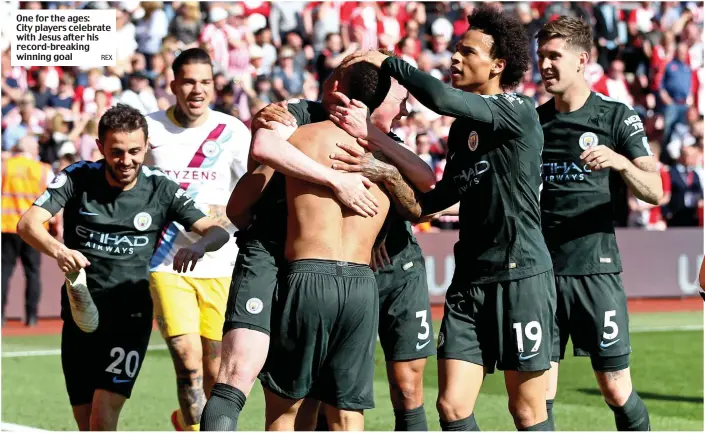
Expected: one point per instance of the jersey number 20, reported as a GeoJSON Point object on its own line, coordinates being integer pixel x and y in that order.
{"type": "Point", "coordinates": [132, 361]}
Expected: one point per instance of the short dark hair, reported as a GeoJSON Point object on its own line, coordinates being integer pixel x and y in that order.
{"type": "Point", "coordinates": [366, 83]}
{"type": "Point", "coordinates": [511, 43]}
{"type": "Point", "coordinates": [576, 32]}
{"type": "Point", "coordinates": [189, 57]}
{"type": "Point", "coordinates": [122, 118]}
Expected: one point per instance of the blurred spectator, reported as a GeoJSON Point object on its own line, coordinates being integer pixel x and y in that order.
{"type": "Point", "coordinates": [64, 96]}
{"type": "Point", "coordinates": [187, 25]}
{"type": "Point", "coordinates": [65, 160]}
{"type": "Point", "coordinates": [265, 52]}
{"type": "Point", "coordinates": [84, 100]}
{"type": "Point", "coordinates": [606, 32]}
{"type": "Point", "coordinates": [87, 142]}
{"type": "Point", "coordinates": [675, 91]}
{"type": "Point", "coordinates": [25, 119]}
{"type": "Point", "coordinates": [150, 30]}
{"type": "Point", "coordinates": [24, 180]}
{"type": "Point", "coordinates": [320, 21]}
{"type": "Point", "coordinates": [285, 17]}
{"type": "Point", "coordinates": [686, 190]}
{"type": "Point", "coordinates": [139, 95]}
{"type": "Point", "coordinates": [125, 33]}
{"type": "Point", "coordinates": [332, 56]}
{"type": "Point", "coordinates": [287, 81]}
{"type": "Point", "coordinates": [423, 148]}
{"type": "Point", "coordinates": [614, 84]}
{"type": "Point", "coordinates": [263, 38]}
{"type": "Point", "coordinates": [42, 94]}
{"type": "Point", "coordinates": [216, 37]}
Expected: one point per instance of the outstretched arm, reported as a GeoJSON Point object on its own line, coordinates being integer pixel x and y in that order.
{"type": "Point", "coordinates": [213, 237]}
{"type": "Point", "coordinates": [432, 93]}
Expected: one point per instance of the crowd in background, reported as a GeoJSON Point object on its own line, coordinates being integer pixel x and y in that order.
{"type": "Point", "coordinates": [646, 54]}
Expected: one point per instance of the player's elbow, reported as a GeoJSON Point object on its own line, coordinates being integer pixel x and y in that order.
{"type": "Point", "coordinates": [658, 197]}
{"type": "Point", "coordinates": [656, 194]}
{"type": "Point", "coordinates": [241, 220]}
{"type": "Point", "coordinates": [24, 226]}
{"type": "Point", "coordinates": [427, 180]}
{"type": "Point", "coordinates": [261, 148]}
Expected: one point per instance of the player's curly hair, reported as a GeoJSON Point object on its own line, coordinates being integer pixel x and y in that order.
{"type": "Point", "coordinates": [122, 118]}
{"type": "Point", "coordinates": [511, 43]}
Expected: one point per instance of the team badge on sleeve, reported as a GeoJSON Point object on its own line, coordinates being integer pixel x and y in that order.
{"type": "Point", "coordinates": [142, 221]}
{"type": "Point", "coordinates": [58, 181]}
{"type": "Point", "coordinates": [43, 199]}
{"type": "Point", "coordinates": [588, 140]}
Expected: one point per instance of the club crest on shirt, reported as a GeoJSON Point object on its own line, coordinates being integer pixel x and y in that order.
{"type": "Point", "coordinates": [588, 140]}
{"type": "Point", "coordinates": [473, 141]}
{"type": "Point", "coordinates": [211, 148]}
{"type": "Point", "coordinates": [254, 305]}
{"type": "Point", "coordinates": [142, 221]}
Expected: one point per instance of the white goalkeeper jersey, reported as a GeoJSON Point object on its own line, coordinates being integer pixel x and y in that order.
{"type": "Point", "coordinates": [207, 161]}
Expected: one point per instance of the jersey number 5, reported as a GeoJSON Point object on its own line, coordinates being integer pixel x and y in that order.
{"type": "Point", "coordinates": [609, 323]}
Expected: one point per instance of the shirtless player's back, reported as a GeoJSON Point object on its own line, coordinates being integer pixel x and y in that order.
{"type": "Point", "coordinates": [326, 310]}
{"type": "Point", "coordinates": [318, 225]}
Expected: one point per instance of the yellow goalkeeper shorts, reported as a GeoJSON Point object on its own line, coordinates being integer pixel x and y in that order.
{"type": "Point", "coordinates": [185, 305]}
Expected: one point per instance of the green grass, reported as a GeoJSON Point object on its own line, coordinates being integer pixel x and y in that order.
{"type": "Point", "coordinates": [667, 369]}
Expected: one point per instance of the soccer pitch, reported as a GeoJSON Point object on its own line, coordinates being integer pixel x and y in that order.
{"type": "Point", "coordinates": [667, 369]}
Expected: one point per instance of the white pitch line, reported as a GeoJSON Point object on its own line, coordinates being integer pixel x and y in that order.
{"type": "Point", "coordinates": [55, 352]}
{"type": "Point", "coordinates": [6, 426]}
{"type": "Point", "coordinates": [667, 328]}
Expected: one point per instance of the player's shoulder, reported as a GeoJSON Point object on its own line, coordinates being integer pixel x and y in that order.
{"type": "Point", "coordinates": [227, 119]}
{"type": "Point", "coordinates": [81, 172]}
{"type": "Point", "coordinates": [157, 179]}
{"type": "Point", "coordinates": [157, 118]}
{"type": "Point", "coordinates": [82, 169]}
{"type": "Point", "coordinates": [311, 109]}
{"type": "Point", "coordinates": [512, 98]}
{"type": "Point", "coordinates": [514, 102]}
{"type": "Point", "coordinates": [612, 104]}
{"type": "Point", "coordinates": [546, 110]}
{"type": "Point", "coordinates": [158, 123]}
{"type": "Point", "coordinates": [300, 103]}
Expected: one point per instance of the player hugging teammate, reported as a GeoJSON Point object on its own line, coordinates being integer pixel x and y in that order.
{"type": "Point", "coordinates": [302, 289]}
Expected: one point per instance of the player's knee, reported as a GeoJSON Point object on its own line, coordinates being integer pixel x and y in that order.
{"type": "Point", "coordinates": [449, 408]}
{"type": "Point", "coordinates": [407, 391]}
{"type": "Point", "coordinates": [104, 416]}
{"type": "Point", "coordinates": [235, 369]}
{"type": "Point", "coordinates": [523, 413]}
{"type": "Point", "coordinates": [616, 387]}
{"type": "Point", "coordinates": [82, 415]}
